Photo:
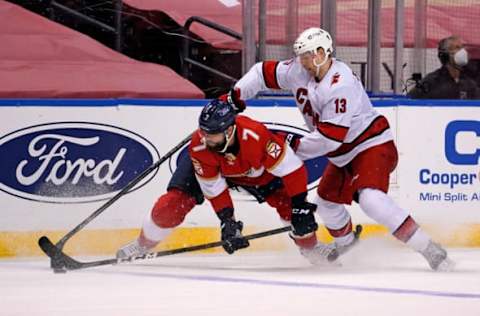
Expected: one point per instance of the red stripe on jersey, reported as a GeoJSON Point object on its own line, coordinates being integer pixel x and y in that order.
{"type": "Point", "coordinates": [269, 70]}
{"type": "Point", "coordinates": [332, 131]}
{"type": "Point", "coordinates": [221, 201]}
{"type": "Point", "coordinates": [377, 127]}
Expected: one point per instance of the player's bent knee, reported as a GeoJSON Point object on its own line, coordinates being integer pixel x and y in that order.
{"type": "Point", "coordinates": [371, 199]}
{"type": "Point", "coordinates": [324, 204]}
{"type": "Point", "coordinates": [334, 215]}
{"type": "Point", "coordinates": [171, 208]}
{"type": "Point", "coordinates": [380, 207]}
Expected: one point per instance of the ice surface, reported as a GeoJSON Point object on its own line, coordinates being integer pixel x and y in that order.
{"type": "Point", "coordinates": [373, 280]}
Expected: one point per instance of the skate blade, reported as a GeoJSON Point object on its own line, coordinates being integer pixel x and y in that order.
{"type": "Point", "coordinates": [325, 264]}
{"type": "Point", "coordinates": [446, 265]}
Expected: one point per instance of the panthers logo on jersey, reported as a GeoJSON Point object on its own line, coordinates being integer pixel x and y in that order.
{"type": "Point", "coordinates": [274, 149]}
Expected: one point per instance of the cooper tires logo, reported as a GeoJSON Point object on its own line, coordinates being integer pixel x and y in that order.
{"type": "Point", "coordinates": [468, 156]}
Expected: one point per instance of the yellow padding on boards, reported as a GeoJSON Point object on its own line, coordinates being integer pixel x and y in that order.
{"type": "Point", "coordinates": [98, 242]}
{"type": "Point", "coordinates": [107, 241]}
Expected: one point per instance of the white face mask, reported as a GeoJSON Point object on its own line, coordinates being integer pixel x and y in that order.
{"type": "Point", "coordinates": [460, 57]}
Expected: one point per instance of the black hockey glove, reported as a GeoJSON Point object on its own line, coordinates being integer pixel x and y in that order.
{"type": "Point", "coordinates": [231, 232]}
{"type": "Point", "coordinates": [233, 98]}
{"type": "Point", "coordinates": [303, 220]}
{"type": "Point", "coordinates": [293, 140]}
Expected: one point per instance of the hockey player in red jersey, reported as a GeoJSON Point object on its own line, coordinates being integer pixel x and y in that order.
{"type": "Point", "coordinates": [232, 150]}
{"type": "Point", "coordinates": [347, 129]}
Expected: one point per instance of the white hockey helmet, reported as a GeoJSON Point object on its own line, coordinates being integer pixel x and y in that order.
{"type": "Point", "coordinates": [311, 40]}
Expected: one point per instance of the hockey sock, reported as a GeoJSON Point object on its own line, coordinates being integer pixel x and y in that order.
{"type": "Point", "coordinates": [308, 241]}
{"type": "Point", "coordinates": [344, 235]}
{"type": "Point", "coordinates": [169, 211]}
{"type": "Point", "coordinates": [410, 233]}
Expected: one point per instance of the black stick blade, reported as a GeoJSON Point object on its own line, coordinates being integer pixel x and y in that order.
{"type": "Point", "coordinates": [59, 261]}
{"type": "Point", "coordinates": [47, 246]}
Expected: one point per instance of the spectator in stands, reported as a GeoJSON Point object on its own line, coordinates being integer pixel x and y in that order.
{"type": "Point", "coordinates": [472, 70]}
{"type": "Point", "coordinates": [449, 81]}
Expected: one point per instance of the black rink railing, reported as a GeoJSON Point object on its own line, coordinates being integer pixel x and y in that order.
{"type": "Point", "coordinates": [186, 46]}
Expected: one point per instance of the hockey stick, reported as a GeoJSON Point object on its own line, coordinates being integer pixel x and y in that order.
{"type": "Point", "coordinates": [61, 243]}
{"type": "Point", "coordinates": [62, 262]}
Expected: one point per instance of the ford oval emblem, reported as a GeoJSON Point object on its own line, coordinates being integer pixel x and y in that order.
{"type": "Point", "coordinates": [72, 162]}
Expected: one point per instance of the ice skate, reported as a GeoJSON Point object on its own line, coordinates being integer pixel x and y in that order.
{"type": "Point", "coordinates": [437, 257]}
{"type": "Point", "coordinates": [341, 249]}
{"type": "Point", "coordinates": [321, 253]}
{"type": "Point", "coordinates": [132, 249]}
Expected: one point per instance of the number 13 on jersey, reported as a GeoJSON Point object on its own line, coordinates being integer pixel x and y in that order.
{"type": "Point", "coordinates": [340, 105]}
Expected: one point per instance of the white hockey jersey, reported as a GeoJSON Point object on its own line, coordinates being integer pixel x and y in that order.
{"type": "Point", "coordinates": [337, 110]}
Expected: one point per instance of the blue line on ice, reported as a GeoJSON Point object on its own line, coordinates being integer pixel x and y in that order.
{"type": "Point", "coordinates": [313, 285]}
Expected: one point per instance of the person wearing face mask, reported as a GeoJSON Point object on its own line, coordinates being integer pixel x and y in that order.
{"type": "Point", "coordinates": [449, 81]}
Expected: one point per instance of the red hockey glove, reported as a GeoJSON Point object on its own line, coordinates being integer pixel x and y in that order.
{"type": "Point", "coordinates": [233, 98]}
{"type": "Point", "coordinates": [293, 140]}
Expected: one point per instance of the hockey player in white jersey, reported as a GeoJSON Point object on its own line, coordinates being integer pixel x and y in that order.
{"type": "Point", "coordinates": [348, 130]}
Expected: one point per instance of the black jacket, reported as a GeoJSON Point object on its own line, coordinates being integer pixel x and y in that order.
{"type": "Point", "coordinates": [440, 85]}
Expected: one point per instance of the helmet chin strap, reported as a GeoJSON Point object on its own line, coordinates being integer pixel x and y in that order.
{"type": "Point", "coordinates": [325, 59]}
{"type": "Point", "coordinates": [228, 139]}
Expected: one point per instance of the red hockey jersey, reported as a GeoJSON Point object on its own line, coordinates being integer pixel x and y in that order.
{"type": "Point", "coordinates": [260, 157]}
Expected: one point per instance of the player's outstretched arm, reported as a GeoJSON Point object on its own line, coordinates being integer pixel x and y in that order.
{"type": "Point", "coordinates": [266, 75]}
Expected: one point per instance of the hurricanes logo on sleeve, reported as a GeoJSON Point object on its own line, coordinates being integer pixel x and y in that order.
{"type": "Point", "coordinates": [274, 149]}
{"type": "Point", "coordinates": [197, 166]}
{"type": "Point", "coordinates": [335, 79]}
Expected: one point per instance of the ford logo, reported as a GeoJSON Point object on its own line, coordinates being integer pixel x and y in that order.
{"type": "Point", "coordinates": [315, 166]}
{"type": "Point", "coordinates": [72, 162]}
